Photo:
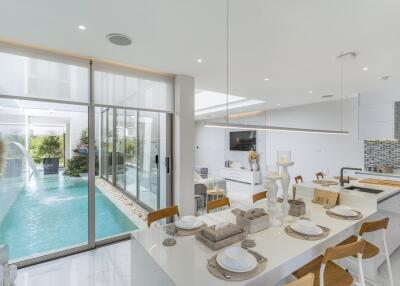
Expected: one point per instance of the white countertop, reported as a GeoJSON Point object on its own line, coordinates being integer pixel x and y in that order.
{"type": "Point", "coordinates": [186, 262]}
{"type": "Point", "coordinates": [387, 191]}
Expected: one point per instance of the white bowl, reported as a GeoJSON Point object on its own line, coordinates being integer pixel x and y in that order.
{"type": "Point", "coordinates": [343, 210]}
{"type": "Point", "coordinates": [188, 222]}
{"type": "Point", "coordinates": [236, 259]}
{"type": "Point", "coordinates": [306, 227]}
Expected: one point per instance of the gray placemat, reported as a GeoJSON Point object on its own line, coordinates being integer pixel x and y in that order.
{"type": "Point", "coordinates": [227, 275]}
{"type": "Point", "coordinates": [357, 217]}
{"type": "Point", "coordinates": [186, 232]}
{"type": "Point", "coordinates": [289, 231]}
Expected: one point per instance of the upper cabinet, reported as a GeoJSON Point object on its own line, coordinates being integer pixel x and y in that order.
{"type": "Point", "coordinates": [377, 116]}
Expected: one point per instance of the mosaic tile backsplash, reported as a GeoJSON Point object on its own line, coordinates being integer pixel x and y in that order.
{"type": "Point", "coordinates": [377, 152]}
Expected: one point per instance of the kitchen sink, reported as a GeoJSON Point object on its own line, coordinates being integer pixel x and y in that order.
{"type": "Point", "coordinates": [364, 190]}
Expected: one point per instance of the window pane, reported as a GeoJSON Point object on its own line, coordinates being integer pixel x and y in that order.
{"type": "Point", "coordinates": [120, 148]}
{"type": "Point", "coordinates": [131, 152]}
{"type": "Point", "coordinates": [25, 76]}
{"type": "Point", "coordinates": [149, 158]}
{"type": "Point", "coordinates": [43, 206]}
{"type": "Point", "coordinates": [110, 137]}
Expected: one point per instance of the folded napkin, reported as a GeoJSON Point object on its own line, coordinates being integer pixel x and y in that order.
{"type": "Point", "coordinates": [219, 232]}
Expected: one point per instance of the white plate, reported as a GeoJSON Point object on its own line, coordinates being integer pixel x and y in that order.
{"type": "Point", "coordinates": [222, 261]}
{"type": "Point", "coordinates": [343, 211]}
{"type": "Point", "coordinates": [188, 224]}
{"type": "Point", "coordinates": [311, 230]}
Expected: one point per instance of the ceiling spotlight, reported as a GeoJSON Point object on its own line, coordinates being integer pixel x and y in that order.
{"type": "Point", "coordinates": [310, 92]}
{"type": "Point", "coordinates": [266, 79]}
{"type": "Point", "coordinates": [81, 27]}
{"type": "Point", "coordinates": [385, 77]}
{"type": "Point", "coordinates": [119, 39]}
{"type": "Point", "coordinates": [346, 56]}
{"type": "Point", "coordinates": [199, 61]}
{"type": "Point", "coordinates": [279, 104]}
{"type": "Point", "coordinates": [365, 68]}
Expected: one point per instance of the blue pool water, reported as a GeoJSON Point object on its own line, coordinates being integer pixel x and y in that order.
{"type": "Point", "coordinates": [56, 217]}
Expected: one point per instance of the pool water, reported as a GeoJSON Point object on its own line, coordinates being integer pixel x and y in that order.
{"type": "Point", "coordinates": [56, 217]}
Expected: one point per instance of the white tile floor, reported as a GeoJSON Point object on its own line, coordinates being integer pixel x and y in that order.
{"type": "Point", "coordinates": [110, 265]}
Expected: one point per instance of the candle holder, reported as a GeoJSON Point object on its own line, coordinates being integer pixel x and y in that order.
{"type": "Point", "coordinates": [284, 161]}
{"type": "Point", "coordinates": [272, 177]}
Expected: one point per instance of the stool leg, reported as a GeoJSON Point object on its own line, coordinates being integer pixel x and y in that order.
{"type": "Point", "coordinates": [389, 266]}
{"type": "Point", "coordinates": [360, 269]}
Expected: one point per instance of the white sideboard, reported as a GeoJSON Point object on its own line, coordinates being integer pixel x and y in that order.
{"type": "Point", "coordinates": [241, 175]}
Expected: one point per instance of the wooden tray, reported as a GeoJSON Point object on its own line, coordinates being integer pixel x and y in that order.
{"type": "Point", "coordinates": [222, 243]}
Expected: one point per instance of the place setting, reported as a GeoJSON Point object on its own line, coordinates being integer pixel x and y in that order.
{"type": "Point", "coordinates": [307, 230]}
{"type": "Point", "coordinates": [344, 212]}
{"type": "Point", "coordinates": [187, 225]}
{"type": "Point", "coordinates": [236, 264]}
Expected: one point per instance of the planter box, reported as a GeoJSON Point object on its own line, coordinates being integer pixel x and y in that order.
{"type": "Point", "coordinates": [50, 166]}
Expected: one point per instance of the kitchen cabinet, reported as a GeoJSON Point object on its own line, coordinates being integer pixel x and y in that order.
{"type": "Point", "coordinates": [376, 115]}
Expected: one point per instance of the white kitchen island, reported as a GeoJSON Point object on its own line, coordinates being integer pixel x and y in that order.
{"type": "Point", "coordinates": [186, 262]}
{"type": "Point", "coordinates": [386, 204]}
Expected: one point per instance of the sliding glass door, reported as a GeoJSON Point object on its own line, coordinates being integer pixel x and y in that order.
{"type": "Point", "coordinates": [131, 160]}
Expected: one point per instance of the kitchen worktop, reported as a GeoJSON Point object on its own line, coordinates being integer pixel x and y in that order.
{"type": "Point", "coordinates": [378, 174]}
{"type": "Point", "coordinates": [387, 191]}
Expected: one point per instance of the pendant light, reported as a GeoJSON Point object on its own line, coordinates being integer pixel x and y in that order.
{"type": "Point", "coordinates": [228, 125]}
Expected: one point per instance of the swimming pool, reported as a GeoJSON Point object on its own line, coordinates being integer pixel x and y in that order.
{"type": "Point", "coordinates": [56, 217]}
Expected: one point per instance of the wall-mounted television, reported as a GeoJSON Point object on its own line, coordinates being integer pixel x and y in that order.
{"type": "Point", "coordinates": [242, 140]}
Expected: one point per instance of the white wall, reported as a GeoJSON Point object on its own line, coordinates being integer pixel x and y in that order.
{"type": "Point", "coordinates": [311, 152]}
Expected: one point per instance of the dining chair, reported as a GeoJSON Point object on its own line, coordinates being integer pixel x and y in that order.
{"type": "Point", "coordinates": [298, 179]}
{"type": "Point", "coordinates": [307, 280]}
{"type": "Point", "coordinates": [372, 250]}
{"type": "Point", "coordinates": [259, 196]}
{"type": "Point", "coordinates": [218, 204]}
{"type": "Point", "coordinates": [319, 175]}
{"type": "Point", "coordinates": [328, 273]}
{"type": "Point", "coordinates": [160, 214]}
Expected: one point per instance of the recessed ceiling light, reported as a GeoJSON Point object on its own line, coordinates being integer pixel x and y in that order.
{"type": "Point", "coordinates": [279, 104]}
{"type": "Point", "coordinates": [81, 27]}
{"type": "Point", "coordinates": [266, 79]}
{"type": "Point", "coordinates": [310, 92]}
{"type": "Point", "coordinates": [199, 61]}
{"type": "Point", "coordinates": [327, 96]}
{"type": "Point", "coordinates": [365, 68]}
{"type": "Point", "coordinates": [119, 39]}
{"type": "Point", "coordinates": [385, 77]}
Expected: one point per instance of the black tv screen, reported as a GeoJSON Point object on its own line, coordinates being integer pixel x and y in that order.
{"type": "Point", "coordinates": [242, 140]}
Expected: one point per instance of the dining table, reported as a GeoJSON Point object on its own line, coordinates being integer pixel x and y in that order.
{"type": "Point", "coordinates": [185, 263]}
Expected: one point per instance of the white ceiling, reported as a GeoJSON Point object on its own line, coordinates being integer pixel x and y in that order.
{"type": "Point", "coordinates": [293, 43]}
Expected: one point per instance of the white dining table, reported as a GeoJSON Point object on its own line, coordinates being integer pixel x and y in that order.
{"type": "Point", "coordinates": [186, 262]}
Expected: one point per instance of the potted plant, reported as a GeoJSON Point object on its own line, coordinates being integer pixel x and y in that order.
{"type": "Point", "coordinates": [50, 151]}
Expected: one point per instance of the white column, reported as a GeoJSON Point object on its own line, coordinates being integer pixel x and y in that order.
{"type": "Point", "coordinates": [183, 148]}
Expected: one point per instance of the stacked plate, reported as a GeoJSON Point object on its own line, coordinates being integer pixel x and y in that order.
{"type": "Point", "coordinates": [306, 227]}
{"type": "Point", "coordinates": [188, 222]}
{"type": "Point", "coordinates": [236, 259]}
{"type": "Point", "coordinates": [344, 211]}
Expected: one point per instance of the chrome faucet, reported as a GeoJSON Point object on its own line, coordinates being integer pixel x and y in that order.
{"type": "Point", "coordinates": [342, 181]}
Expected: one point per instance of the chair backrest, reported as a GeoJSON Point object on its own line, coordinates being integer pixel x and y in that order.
{"type": "Point", "coordinates": [319, 175]}
{"type": "Point", "coordinates": [374, 225]}
{"type": "Point", "coordinates": [163, 213]}
{"type": "Point", "coordinates": [217, 204]}
{"type": "Point", "coordinates": [306, 280]}
{"type": "Point", "coordinates": [342, 251]}
{"type": "Point", "coordinates": [298, 179]}
{"type": "Point", "coordinates": [259, 196]}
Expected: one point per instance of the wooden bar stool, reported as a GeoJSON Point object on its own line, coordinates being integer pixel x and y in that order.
{"type": "Point", "coordinates": [372, 250]}
{"type": "Point", "coordinates": [218, 204]}
{"type": "Point", "coordinates": [307, 280]}
{"type": "Point", "coordinates": [298, 179]}
{"type": "Point", "coordinates": [160, 214]}
{"type": "Point", "coordinates": [215, 193]}
{"type": "Point", "coordinates": [328, 273]}
{"type": "Point", "coordinates": [259, 196]}
{"type": "Point", "coordinates": [319, 175]}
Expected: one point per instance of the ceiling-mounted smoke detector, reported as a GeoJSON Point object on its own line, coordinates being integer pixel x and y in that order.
{"type": "Point", "coordinates": [119, 39]}
{"type": "Point", "coordinates": [344, 57]}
